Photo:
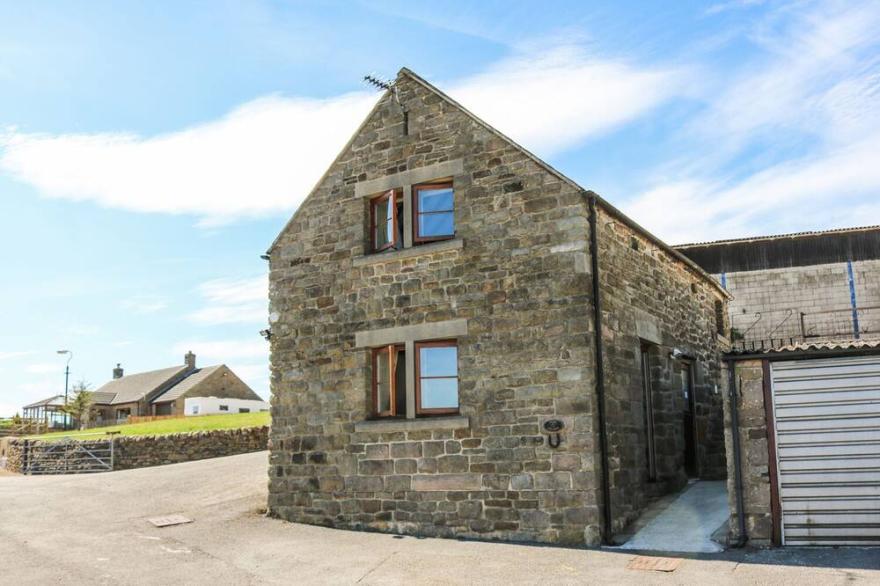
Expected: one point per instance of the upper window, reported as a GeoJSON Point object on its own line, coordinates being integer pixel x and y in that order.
{"type": "Point", "coordinates": [433, 212]}
{"type": "Point", "coordinates": [224, 407]}
{"type": "Point", "coordinates": [385, 221]}
{"type": "Point", "coordinates": [436, 377]}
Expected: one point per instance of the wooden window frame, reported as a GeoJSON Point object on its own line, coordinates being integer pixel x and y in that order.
{"type": "Point", "coordinates": [418, 376]}
{"type": "Point", "coordinates": [418, 239]}
{"type": "Point", "coordinates": [392, 350]}
{"type": "Point", "coordinates": [391, 196]}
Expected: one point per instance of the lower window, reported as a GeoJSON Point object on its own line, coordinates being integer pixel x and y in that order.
{"type": "Point", "coordinates": [435, 376]}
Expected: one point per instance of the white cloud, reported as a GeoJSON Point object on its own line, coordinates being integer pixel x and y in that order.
{"type": "Point", "coordinates": [554, 100]}
{"type": "Point", "coordinates": [14, 354]}
{"type": "Point", "coordinates": [216, 351]}
{"type": "Point", "coordinates": [233, 301]}
{"type": "Point", "coordinates": [43, 368]}
{"type": "Point", "coordinates": [265, 156]}
{"type": "Point", "coordinates": [142, 304]}
{"type": "Point", "coordinates": [789, 142]}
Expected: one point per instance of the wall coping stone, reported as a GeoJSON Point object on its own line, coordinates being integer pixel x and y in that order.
{"type": "Point", "coordinates": [427, 423]}
{"type": "Point", "coordinates": [379, 257]}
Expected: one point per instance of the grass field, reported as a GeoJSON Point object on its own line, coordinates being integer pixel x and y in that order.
{"type": "Point", "coordinates": [166, 426]}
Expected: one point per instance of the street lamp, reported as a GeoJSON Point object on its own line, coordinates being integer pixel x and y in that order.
{"type": "Point", "coordinates": [66, 379]}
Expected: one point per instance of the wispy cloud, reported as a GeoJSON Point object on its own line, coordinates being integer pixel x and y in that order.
{"type": "Point", "coordinates": [14, 354]}
{"type": "Point", "coordinates": [43, 368]}
{"type": "Point", "coordinates": [142, 304]}
{"type": "Point", "coordinates": [233, 301]}
{"type": "Point", "coordinates": [214, 351]}
{"type": "Point", "coordinates": [265, 156]}
{"type": "Point", "coordinates": [786, 143]}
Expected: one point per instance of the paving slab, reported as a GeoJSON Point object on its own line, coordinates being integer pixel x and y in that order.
{"type": "Point", "coordinates": [687, 523]}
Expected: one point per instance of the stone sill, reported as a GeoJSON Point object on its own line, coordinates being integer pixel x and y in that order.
{"type": "Point", "coordinates": [426, 423]}
{"type": "Point", "coordinates": [413, 251]}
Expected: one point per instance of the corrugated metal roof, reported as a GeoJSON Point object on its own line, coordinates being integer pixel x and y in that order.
{"type": "Point", "coordinates": [818, 346]}
{"type": "Point", "coordinates": [135, 387]}
{"type": "Point", "coordinates": [187, 384]}
{"type": "Point", "coordinates": [777, 236]}
{"type": "Point", "coordinates": [49, 401]}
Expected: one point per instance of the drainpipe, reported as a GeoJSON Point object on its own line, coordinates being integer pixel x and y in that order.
{"type": "Point", "coordinates": [737, 455]}
{"type": "Point", "coordinates": [600, 372]}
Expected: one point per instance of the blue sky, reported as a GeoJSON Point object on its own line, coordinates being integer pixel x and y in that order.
{"type": "Point", "coordinates": [151, 151]}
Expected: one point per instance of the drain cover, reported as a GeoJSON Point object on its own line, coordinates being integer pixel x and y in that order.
{"type": "Point", "coordinates": [169, 520]}
{"type": "Point", "coordinates": [644, 562]}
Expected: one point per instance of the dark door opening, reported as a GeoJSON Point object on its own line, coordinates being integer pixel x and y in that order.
{"type": "Point", "coordinates": [689, 421]}
{"type": "Point", "coordinates": [648, 413]}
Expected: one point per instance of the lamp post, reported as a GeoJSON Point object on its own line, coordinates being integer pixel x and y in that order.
{"type": "Point", "coordinates": [66, 380]}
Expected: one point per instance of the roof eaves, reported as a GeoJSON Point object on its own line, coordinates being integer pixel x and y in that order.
{"type": "Point", "coordinates": [805, 234]}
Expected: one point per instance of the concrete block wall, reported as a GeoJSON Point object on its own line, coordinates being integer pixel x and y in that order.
{"type": "Point", "coordinates": [822, 292]}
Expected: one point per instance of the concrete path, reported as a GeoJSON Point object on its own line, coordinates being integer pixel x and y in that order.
{"type": "Point", "coordinates": [687, 524]}
{"type": "Point", "coordinates": [93, 529]}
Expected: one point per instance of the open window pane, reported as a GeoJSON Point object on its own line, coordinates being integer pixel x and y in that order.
{"type": "Point", "coordinates": [439, 393]}
{"type": "Point", "coordinates": [383, 381]}
{"type": "Point", "coordinates": [437, 224]}
{"type": "Point", "coordinates": [384, 217]}
{"type": "Point", "coordinates": [438, 361]}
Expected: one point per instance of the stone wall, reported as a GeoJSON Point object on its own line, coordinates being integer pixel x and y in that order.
{"type": "Point", "coordinates": [821, 292]}
{"type": "Point", "coordinates": [144, 451]}
{"type": "Point", "coordinates": [755, 453]}
{"type": "Point", "coordinates": [651, 298]}
{"type": "Point", "coordinates": [518, 276]}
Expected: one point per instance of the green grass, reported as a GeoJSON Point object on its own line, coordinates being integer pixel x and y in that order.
{"type": "Point", "coordinates": [167, 426]}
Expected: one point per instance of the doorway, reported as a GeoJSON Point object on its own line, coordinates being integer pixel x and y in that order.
{"type": "Point", "coordinates": [689, 421]}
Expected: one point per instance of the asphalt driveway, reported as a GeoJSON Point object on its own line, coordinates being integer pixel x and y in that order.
{"type": "Point", "coordinates": [93, 529]}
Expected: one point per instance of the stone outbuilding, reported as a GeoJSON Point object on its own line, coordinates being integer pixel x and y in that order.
{"type": "Point", "coordinates": [464, 342]}
{"type": "Point", "coordinates": [803, 433]}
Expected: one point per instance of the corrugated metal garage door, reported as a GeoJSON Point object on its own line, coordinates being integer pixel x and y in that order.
{"type": "Point", "coordinates": [828, 444]}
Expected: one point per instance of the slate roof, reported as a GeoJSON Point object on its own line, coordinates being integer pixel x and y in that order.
{"type": "Point", "coordinates": [187, 384]}
{"type": "Point", "coordinates": [134, 387]}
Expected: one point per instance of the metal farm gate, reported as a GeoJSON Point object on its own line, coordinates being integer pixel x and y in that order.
{"type": "Point", "coordinates": [67, 457]}
{"type": "Point", "coordinates": [827, 421]}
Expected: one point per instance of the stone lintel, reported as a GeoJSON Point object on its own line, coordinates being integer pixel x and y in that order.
{"type": "Point", "coordinates": [429, 331]}
{"type": "Point", "coordinates": [447, 482]}
{"type": "Point", "coordinates": [409, 177]}
{"type": "Point", "coordinates": [378, 257]}
{"type": "Point", "coordinates": [427, 423]}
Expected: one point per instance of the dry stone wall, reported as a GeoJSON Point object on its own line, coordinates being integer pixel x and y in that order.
{"type": "Point", "coordinates": [143, 451]}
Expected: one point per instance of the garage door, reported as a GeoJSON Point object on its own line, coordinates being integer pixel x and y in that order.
{"type": "Point", "coordinates": [828, 446]}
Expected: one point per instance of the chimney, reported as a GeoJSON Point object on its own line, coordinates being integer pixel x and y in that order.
{"type": "Point", "coordinates": [190, 360]}
{"type": "Point", "coordinates": [117, 372]}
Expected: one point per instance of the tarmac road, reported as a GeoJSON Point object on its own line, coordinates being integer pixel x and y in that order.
{"type": "Point", "coordinates": [93, 529]}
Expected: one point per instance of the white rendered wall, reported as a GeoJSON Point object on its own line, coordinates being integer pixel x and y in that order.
{"type": "Point", "coordinates": [211, 406]}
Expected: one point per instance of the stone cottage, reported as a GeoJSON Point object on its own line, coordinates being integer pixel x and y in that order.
{"type": "Point", "coordinates": [467, 343]}
{"type": "Point", "coordinates": [164, 391]}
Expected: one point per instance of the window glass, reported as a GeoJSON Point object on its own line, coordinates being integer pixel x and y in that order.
{"type": "Point", "coordinates": [383, 382]}
{"type": "Point", "coordinates": [437, 376]}
{"type": "Point", "coordinates": [383, 229]}
{"type": "Point", "coordinates": [439, 393]}
{"type": "Point", "coordinates": [434, 205]}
